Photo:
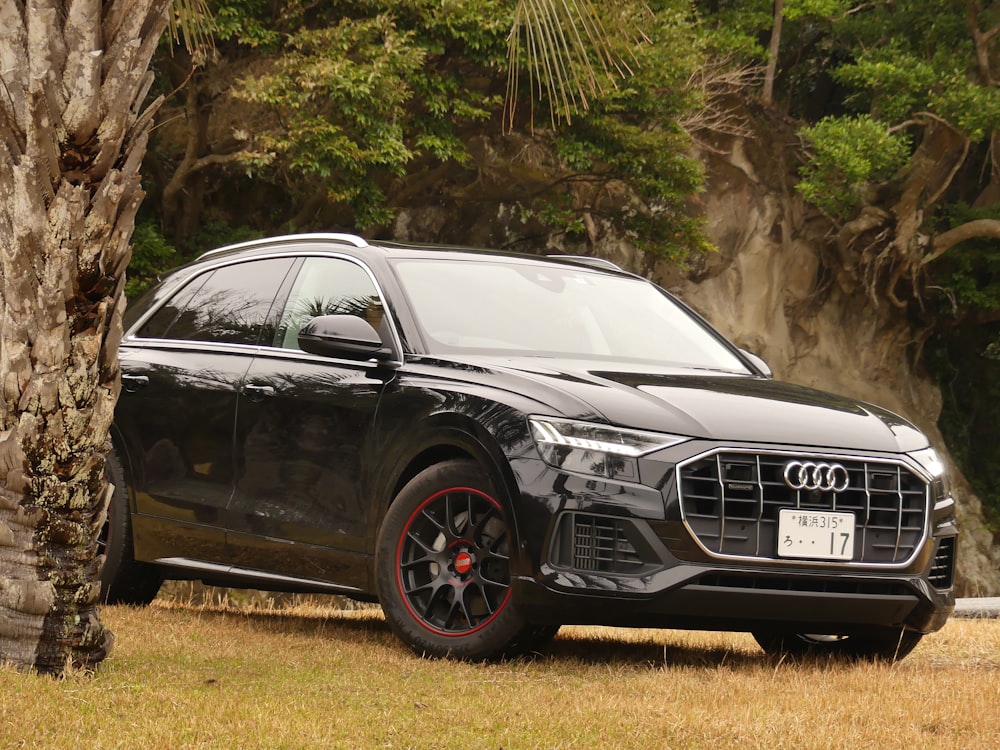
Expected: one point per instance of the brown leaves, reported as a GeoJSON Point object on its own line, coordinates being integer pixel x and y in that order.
{"type": "Point", "coordinates": [76, 162]}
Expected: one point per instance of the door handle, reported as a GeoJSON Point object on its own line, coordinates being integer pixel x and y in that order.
{"type": "Point", "coordinates": [132, 383]}
{"type": "Point", "coordinates": [258, 393]}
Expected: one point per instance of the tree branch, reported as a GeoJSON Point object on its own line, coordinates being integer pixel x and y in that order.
{"type": "Point", "coordinates": [981, 39]}
{"type": "Point", "coordinates": [987, 228]}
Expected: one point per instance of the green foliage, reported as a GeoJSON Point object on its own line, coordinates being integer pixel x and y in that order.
{"type": "Point", "coordinates": [556, 213]}
{"type": "Point", "coordinates": [964, 357]}
{"type": "Point", "coordinates": [799, 9]}
{"type": "Point", "coordinates": [894, 82]}
{"type": "Point", "coordinates": [972, 108]}
{"type": "Point", "coordinates": [152, 254]}
{"type": "Point", "coordinates": [631, 134]}
{"type": "Point", "coordinates": [340, 93]}
{"type": "Point", "coordinates": [889, 82]}
{"type": "Point", "coordinates": [967, 278]}
{"type": "Point", "coordinates": [359, 98]}
{"type": "Point", "coordinates": [742, 28]}
{"type": "Point", "coordinates": [218, 233]}
{"type": "Point", "coordinates": [736, 28]}
{"type": "Point", "coordinates": [848, 154]}
{"type": "Point", "coordinates": [250, 22]}
{"type": "Point", "coordinates": [961, 360]}
{"type": "Point", "coordinates": [894, 63]}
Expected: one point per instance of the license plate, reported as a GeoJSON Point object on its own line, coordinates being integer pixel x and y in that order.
{"type": "Point", "coordinates": [816, 535]}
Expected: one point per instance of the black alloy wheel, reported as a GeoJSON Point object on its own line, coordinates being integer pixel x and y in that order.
{"type": "Point", "coordinates": [889, 644]}
{"type": "Point", "coordinates": [443, 564]}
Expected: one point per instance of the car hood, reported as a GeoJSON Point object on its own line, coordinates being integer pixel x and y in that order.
{"type": "Point", "coordinates": [717, 406]}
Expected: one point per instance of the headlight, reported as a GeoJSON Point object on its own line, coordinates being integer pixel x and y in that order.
{"type": "Point", "coordinates": [933, 465]}
{"type": "Point", "coordinates": [595, 449]}
{"type": "Point", "coordinates": [929, 460]}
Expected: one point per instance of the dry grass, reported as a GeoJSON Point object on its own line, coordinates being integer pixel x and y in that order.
{"type": "Point", "coordinates": [207, 676]}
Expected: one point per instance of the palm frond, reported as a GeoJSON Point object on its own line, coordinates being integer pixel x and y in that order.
{"type": "Point", "coordinates": [571, 51]}
{"type": "Point", "coordinates": [191, 23]}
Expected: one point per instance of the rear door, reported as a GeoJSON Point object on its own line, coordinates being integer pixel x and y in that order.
{"type": "Point", "coordinates": [181, 374]}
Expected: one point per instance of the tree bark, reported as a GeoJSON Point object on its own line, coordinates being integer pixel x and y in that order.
{"type": "Point", "coordinates": [73, 78]}
{"type": "Point", "coordinates": [772, 51]}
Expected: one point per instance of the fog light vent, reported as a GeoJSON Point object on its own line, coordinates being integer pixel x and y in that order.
{"type": "Point", "coordinates": [943, 570]}
{"type": "Point", "coordinates": [597, 544]}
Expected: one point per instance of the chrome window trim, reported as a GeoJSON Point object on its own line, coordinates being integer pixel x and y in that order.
{"type": "Point", "coordinates": [894, 459]}
{"type": "Point", "coordinates": [286, 251]}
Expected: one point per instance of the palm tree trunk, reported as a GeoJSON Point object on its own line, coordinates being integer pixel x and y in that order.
{"type": "Point", "coordinates": [73, 77]}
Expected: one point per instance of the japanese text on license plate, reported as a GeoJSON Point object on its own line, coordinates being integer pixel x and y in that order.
{"type": "Point", "coordinates": [816, 535]}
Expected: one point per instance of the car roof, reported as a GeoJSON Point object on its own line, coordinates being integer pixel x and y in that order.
{"type": "Point", "coordinates": [361, 248]}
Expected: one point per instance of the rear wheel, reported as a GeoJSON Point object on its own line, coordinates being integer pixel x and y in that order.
{"type": "Point", "coordinates": [890, 644]}
{"type": "Point", "coordinates": [443, 567]}
{"type": "Point", "coordinates": [124, 580]}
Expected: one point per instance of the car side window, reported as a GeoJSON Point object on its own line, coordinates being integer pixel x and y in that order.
{"type": "Point", "coordinates": [328, 286]}
{"type": "Point", "coordinates": [227, 305]}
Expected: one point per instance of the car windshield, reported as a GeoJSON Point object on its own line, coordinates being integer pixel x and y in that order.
{"type": "Point", "coordinates": [518, 308]}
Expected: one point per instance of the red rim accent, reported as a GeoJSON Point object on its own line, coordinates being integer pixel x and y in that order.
{"type": "Point", "coordinates": [399, 568]}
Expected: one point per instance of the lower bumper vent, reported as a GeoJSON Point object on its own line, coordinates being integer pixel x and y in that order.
{"type": "Point", "coordinates": [943, 570]}
{"type": "Point", "coordinates": [599, 544]}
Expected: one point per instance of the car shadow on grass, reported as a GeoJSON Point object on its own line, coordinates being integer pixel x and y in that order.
{"type": "Point", "coordinates": [607, 649]}
{"type": "Point", "coordinates": [590, 645]}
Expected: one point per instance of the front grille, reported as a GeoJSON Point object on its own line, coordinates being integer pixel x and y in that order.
{"type": "Point", "coordinates": [597, 544]}
{"type": "Point", "coordinates": [730, 502]}
{"type": "Point", "coordinates": [943, 570]}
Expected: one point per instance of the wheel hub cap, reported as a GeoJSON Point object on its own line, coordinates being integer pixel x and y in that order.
{"type": "Point", "coordinates": [463, 562]}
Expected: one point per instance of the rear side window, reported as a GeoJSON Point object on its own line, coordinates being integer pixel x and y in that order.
{"type": "Point", "coordinates": [327, 286]}
{"type": "Point", "coordinates": [227, 305]}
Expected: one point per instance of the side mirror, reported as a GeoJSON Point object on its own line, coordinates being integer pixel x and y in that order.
{"type": "Point", "coordinates": [759, 363]}
{"type": "Point", "coordinates": [345, 336]}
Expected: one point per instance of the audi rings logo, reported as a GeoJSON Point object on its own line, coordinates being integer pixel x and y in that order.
{"type": "Point", "coordinates": [810, 475]}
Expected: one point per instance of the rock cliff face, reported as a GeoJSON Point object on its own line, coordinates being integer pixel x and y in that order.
{"type": "Point", "coordinates": [774, 287]}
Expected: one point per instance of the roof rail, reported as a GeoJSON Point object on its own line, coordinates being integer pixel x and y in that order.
{"type": "Point", "coordinates": [589, 260]}
{"type": "Point", "coordinates": [347, 239]}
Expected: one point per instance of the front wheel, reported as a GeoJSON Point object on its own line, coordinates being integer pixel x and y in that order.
{"type": "Point", "coordinates": [889, 644]}
{"type": "Point", "coordinates": [443, 567]}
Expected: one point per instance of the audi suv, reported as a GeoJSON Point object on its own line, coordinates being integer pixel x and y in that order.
{"type": "Point", "coordinates": [492, 445]}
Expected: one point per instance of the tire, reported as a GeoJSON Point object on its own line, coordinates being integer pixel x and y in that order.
{"type": "Point", "coordinates": [443, 568]}
{"type": "Point", "coordinates": [124, 580]}
{"type": "Point", "coordinates": [890, 644]}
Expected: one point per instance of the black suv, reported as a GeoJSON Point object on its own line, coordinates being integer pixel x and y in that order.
{"type": "Point", "coordinates": [491, 445]}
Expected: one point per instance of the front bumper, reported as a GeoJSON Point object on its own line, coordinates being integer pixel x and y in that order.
{"type": "Point", "coordinates": [597, 552]}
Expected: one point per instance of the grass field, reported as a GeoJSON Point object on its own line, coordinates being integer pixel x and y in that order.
{"type": "Point", "coordinates": [210, 676]}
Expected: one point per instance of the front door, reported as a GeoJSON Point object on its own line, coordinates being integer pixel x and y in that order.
{"type": "Point", "coordinates": [304, 439]}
